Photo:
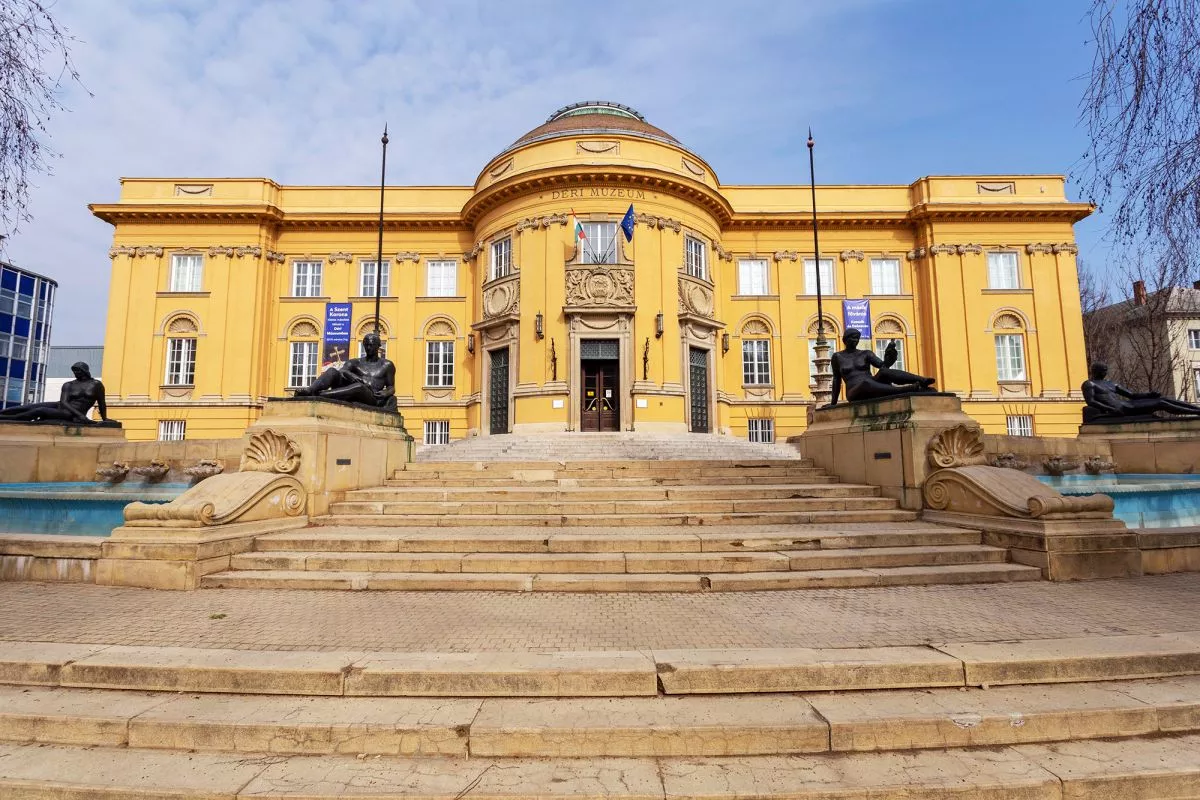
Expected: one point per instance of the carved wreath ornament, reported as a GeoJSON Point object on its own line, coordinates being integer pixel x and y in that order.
{"type": "Point", "coordinates": [960, 446]}
{"type": "Point", "coordinates": [270, 452]}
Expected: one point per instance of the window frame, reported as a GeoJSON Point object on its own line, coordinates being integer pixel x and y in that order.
{"type": "Point", "coordinates": [311, 359]}
{"type": "Point", "coordinates": [810, 287]}
{"type": "Point", "coordinates": [695, 257]}
{"type": "Point", "coordinates": [1014, 424]}
{"type": "Point", "coordinates": [440, 429]}
{"type": "Point", "coordinates": [603, 232]}
{"type": "Point", "coordinates": [441, 291]}
{"type": "Point", "coordinates": [743, 284]}
{"type": "Point", "coordinates": [899, 278]}
{"type": "Point", "coordinates": [439, 373]}
{"type": "Point", "coordinates": [755, 430]}
{"type": "Point", "coordinates": [756, 362]}
{"type": "Point", "coordinates": [186, 366]}
{"type": "Point", "coordinates": [992, 273]}
{"type": "Point", "coordinates": [495, 268]}
{"type": "Point", "coordinates": [167, 426]}
{"type": "Point", "coordinates": [315, 274]}
{"type": "Point", "coordinates": [883, 340]}
{"type": "Point", "coordinates": [385, 289]}
{"type": "Point", "coordinates": [194, 273]}
{"type": "Point", "coordinates": [1194, 338]}
{"type": "Point", "coordinates": [1004, 359]}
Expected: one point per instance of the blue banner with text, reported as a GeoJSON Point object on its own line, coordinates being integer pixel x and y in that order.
{"type": "Point", "coordinates": [857, 314]}
{"type": "Point", "coordinates": [337, 333]}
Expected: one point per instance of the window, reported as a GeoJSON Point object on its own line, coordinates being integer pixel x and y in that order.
{"type": "Point", "coordinates": [599, 243]}
{"type": "Point", "coordinates": [186, 272]}
{"type": "Point", "coordinates": [881, 346]}
{"type": "Point", "coordinates": [171, 430]}
{"type": "Point", "coordinates": [1194, 339]}
{"type": "Point", "coordinates": [181, 362]}
{"type": "Point", "coordinates": [1002, 271]}
{"type": "Point", "coordinates": [366, 279]}
{"type": "Point", "coordinates": [437, 431]}
{"type": "Point", "coordinates": [810, 276]}
{"type": "Point", "coordinates": [885, 276]}
{"type": "Point", "coordinates": [441, 279]}
{"type": "Point", "coordinates": [756, 362]}
{"type": "Point", "coordinates": [761, 430]}
{"type": "Point", "coordinates": [439, 363]}
{"type": "Point", "coordinates": [695, 258]}
{"type": "Point", "coordinates": [1196, 380]}
{"type": "Point", "coordinates": [752, 276]}
{"type": "Point", "coordinates": [306, 279]}
{"type": "Point", "coordinates": [302, 369]}
{"type": "Point", "coordinates": [1020, 425]}
{"type": "Point", "coordinates": [1010, 356]}
{"type": "Point", "coordinates": [501, 258]}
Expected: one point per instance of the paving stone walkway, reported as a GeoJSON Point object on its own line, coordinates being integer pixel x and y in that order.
{"type": "Point", "coordinates": [496, 621]}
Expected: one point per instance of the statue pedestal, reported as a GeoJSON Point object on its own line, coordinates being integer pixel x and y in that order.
{"type": "Point", "coordinates": [37, 452]}
{"type": "Point", "coordinates": [1165, 446]}
{"type": "Point", "coordinates": [881, 442]}
{"type": "Point", "coordinates": [343, 446]}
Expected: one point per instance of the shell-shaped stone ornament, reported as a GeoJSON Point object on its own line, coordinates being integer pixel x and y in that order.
{"type": "Point", "coordinates": [960, 446]}
{"type": "Point", "coordinates": [270, 451]}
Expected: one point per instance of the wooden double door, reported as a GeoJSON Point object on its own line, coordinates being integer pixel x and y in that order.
{"type": "Point", "coordinates": [601, 395]}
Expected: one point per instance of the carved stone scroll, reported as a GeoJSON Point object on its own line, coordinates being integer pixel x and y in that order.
{"type": "Point", "coordinates": [224, 499]}
{"type": "Point", "coordinates": [999, 492]}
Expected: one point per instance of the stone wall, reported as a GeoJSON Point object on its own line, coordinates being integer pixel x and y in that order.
{"type": "Point", "coordinates": [1034, 449]}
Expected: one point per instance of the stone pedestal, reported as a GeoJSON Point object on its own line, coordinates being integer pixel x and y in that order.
{"type": "Point", "coordinates": [44, 452]}
{"type": "Point", "coordinates": [1161, 446]}
{"type": "Point", "coordinates": [342, 446]}
{"type": "Point", "coordinates": [881, 442]}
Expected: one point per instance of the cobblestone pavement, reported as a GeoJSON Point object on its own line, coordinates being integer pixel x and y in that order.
{"type": "Point", "coordinates": [495, 621]}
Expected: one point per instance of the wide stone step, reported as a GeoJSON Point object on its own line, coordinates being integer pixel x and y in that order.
{"type": "Point", "coordinates": [599, 580]}
{"type": "Point", "coordinates": [588, 493]}
{"type": "Point", "coordinates": [547, 480]}
{"type": "Point", "coordinates": [1148, 767]}
{"type": "Point", "coordinates": [583, 507]}
{"type": "Point", "coordinates": [721, 725]}
{"type": "Point", "coordinates": [642, 539]}
{"type": "Point", "coordinates": [401, 519]}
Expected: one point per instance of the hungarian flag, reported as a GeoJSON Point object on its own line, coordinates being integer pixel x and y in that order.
{"type": "Point", "coordinates": [577, 227]}
{"type": "Point", "coordinates": [627, 223]}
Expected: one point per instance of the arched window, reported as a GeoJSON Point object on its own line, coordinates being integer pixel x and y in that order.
{"type": "Point", "coordinates": [303, 353]}
{"type": "Point", "coordinates": [1009, 331]}
{"type": "Point", "coordinates": [889, 330]}
{"type": "Point", "coordinates": [756, 353]}
{"type": "Point", "coordinates": [181, 332]}
{"type": "Point", "coordinates": [439, 353]}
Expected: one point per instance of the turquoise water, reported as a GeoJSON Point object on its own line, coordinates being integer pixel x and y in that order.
{"type": "Point", "coordinates": [1140, 501]}
{"type": "Point", "coordinates": [76, 509]}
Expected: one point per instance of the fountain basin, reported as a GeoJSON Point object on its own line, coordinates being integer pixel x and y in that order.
{"type": "Point", "coordinates": [79, 509]}
{"type": "Point", "coordinates": [1140, 500]}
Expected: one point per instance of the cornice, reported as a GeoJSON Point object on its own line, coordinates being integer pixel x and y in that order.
{"type": "Point", "coordinates": [1065, 212]}
{"type": "Point", "coordinates": [579, 175]}
{"type": "Point", "coordinates": [212, 214]}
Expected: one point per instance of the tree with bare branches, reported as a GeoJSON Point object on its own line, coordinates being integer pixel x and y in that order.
{"type": "Point", "coordinates": [35, 63]}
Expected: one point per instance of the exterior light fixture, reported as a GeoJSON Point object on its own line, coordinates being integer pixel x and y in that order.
{"type": "Point", "coordinates": [471, 343]}
{"type": "Point", "coordinates": [658, 326]}
{"type": "Point", "coordinates": [539, 329]}
{"type": "Point", "coordinates": [724, 342]}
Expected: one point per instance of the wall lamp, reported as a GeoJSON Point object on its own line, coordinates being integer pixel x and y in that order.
{"type": "Point", "coordinates": [539, 327]}
{"type": "Point", "coordinates": [658, 326]}
{"type": "Point", "coordinates": [724, 342]}
{"type": "Point", "coordinates": [471, 343]}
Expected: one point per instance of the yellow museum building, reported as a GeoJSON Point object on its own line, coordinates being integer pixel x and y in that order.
{"type": "Point", "coordinates": [501, 318]}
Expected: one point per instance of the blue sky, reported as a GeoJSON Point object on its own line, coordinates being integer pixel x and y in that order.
{"type": "Point", "coordinates": [298, 91]}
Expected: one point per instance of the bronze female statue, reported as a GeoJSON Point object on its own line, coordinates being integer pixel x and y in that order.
{"type": "Point", "coordinates": [368, 381]}
{"type": "Point", "coordinates": [1107, 400]}
{"type": "Point", "coordinates": [852, 367]}
{"type": "Point", "coordinates": [74, 403]}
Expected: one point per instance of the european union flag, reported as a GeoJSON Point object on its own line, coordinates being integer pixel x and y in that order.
{"type": "Point", "coordinates": [627, 223]}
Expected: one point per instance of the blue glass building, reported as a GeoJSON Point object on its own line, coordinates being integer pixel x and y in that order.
{"type": "Point", "coordinates": [26, 310]}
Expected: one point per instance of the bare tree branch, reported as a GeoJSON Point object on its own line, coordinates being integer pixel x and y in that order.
{"type": "Point", "coordinates": [35, 62]}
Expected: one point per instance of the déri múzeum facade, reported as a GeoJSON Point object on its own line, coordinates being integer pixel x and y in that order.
{"type": "Point", "coordinates": [519, 304]}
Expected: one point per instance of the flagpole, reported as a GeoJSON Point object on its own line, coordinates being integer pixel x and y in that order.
{"type": "Point", "coordinates": [812, 182]}
{"type": "Point", "coordinates": [379, 251]}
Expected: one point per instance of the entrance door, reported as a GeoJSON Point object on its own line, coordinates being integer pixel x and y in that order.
{"type": "Point", "coordinates": [498, 391]}
{"type": "Point", "coordinates": [601, 409]}
{"type": "Point", "coordinates": [698, 386]}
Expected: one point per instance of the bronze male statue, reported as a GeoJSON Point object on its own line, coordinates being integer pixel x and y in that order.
{"type": "Point", "coordinates": [852, 367]}
{"type": "Point", "coordinates": [1109, 401]}
{"type": "Point", "coordinates": [74, 403]}
{"type": "Point", "coordinates": [368, 381]}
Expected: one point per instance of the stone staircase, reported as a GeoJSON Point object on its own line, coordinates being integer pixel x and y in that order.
{"type": "Point", "coordinates": [615, 513]}
{"type": "Point", "coordinates": [1104, 717]}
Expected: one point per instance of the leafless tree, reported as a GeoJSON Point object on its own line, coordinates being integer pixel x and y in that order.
{"type": "Point", "coordinates": [1094, 295]}
{"type": "Point", "coordinates": [35, 63]}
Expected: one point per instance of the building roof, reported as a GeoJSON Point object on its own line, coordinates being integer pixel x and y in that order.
{"type": "Point", "coordinates": [594, 117]}
{"type": "Point", "coordinates": [61, 359]}
{"type": "Point", "coordinates": [28, 272]}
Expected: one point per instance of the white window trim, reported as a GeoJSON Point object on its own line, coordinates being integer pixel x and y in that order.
{"type": "Point", "coordinates": [385, 289]}
{"type": "Point", "coordinates": [436, 432]}
{"type": "Point", "coordinates": [695, 257]}
{"type": "Point", "coordinates": [876, 264]}
{"type": "Point", "coordinates": [599, 245]}
{"type": "Point", "coordinates": [827, 287]}
{"type": "Point", "coordinates": [186, 277]}
{"type": "Point", "coordinates": [746, 288]}
{"type": "Point", "coordinates": [1019, 424]}
{"type": "Point", "coordinates": [759, 369]}
{"type": "Point", "coordinates": [310, 359]}
{"type": "Point", "coordinates": [1194, 338]}
{"type": "Point", "coordinates": [172, 430]}
{"type": "Point", "coordinates": [877, 341]}
{"type": "Point", "coordinates": [1003, 361]}
{"type": "Point", "coordinates": [314, 275]}
{"type": "Point", "coordinates": [439, 375]}
{"type": "Point", "coordinates": [441, 288]}
{"type": "Point", "coordinates": [761, 430]}
{"type": "Point", "coordinates": [1016, 271]}
{"type": "Point", "coordinates": [186, 354]}
{"type": "Point", "coordinates": [496, 270]}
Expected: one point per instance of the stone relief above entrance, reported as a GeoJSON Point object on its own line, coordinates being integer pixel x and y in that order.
{"type": "Point", "coordinates": [599, 286]}
{"type": "Point", "coordinates": [695, 297]}
{"type": "Point", "coordinates": [502, 298]}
